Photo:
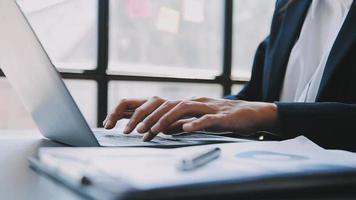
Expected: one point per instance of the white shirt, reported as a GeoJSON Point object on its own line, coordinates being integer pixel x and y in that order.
{"type": "Point", "coordinates": [310, 53]}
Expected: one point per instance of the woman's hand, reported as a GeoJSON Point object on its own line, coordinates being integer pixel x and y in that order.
{"type": "Point", "coordinates": [157, 115]}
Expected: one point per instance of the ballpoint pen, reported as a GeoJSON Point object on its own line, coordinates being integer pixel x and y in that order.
{"type": "Point", "coordinates": [199, 160]}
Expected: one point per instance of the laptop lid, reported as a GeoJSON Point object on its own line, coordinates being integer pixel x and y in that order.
{"type": "Point", "coordinates": [36, 81]}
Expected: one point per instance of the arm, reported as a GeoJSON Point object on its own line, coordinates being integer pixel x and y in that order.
{"type": "Point", "coordinates": [332, 125]}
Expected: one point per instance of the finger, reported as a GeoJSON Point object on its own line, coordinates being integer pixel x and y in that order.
{"type": "Point", "coordinates": [177, 127]}
{"type": "Point", "coordinates": [149, 136]}
{"type": "Point", "coordinates": [127, 115]}
{"type": "Point", "coordinates": [183, 109]}
{"type": "Point", "coordinates": [141, 112]}
{"type": "Point", "coordinates": [119, 111]}
{"type": "Point", "coordinates": [205, 122]}
{"type": "Point", "coordinates": [150, 120]}
{"type": "Point", "coordinates": [201, 99]}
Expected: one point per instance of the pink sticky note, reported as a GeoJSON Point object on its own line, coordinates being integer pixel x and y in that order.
{"type": "Point", "coordinates": [139, 8]}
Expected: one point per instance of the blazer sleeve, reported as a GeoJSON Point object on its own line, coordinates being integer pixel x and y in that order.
{"type": "Point", "coordinates": [252, 91]}
{"type": "Point", "coordinates": [331, 125]}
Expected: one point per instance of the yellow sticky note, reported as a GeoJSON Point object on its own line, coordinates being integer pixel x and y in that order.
{"type": "Point", "coordinates": [168, 20]}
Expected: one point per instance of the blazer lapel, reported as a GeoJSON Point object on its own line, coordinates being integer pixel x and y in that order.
{"type": "Point", "coordinates": [290, 31]}
{"type": "Point", "coordinates": [342, 44]}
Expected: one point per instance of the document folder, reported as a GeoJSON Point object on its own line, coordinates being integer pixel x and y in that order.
{"type": "Point", "coordinates": [286, 169]}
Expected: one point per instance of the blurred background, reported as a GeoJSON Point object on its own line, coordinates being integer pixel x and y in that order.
{"type": "Point", "coordinates": [111, 49]}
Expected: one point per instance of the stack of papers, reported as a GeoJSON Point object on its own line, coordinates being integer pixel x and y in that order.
{"type": "Point", "coordinates": [148, 169]}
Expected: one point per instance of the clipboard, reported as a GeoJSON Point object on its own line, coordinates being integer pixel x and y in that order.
{"type": "Point", "coordinates": [308, 182]}
{"type": "Point", "coordinates": [317, 185]}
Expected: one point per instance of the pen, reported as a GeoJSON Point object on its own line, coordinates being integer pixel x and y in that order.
{"type": "Point", "coordinates": [200, 159]}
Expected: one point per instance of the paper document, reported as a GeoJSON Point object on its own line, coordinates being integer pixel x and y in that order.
{"type": "Point", "coordinates": [147, 168]}
{"type": "Point", "coordinates": [168, 20]}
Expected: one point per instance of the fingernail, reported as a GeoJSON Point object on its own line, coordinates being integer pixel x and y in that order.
{"type": "Point", "coordinates": [127, 129]}
{"type": "Point", "coordinates": [147, 137]}
{"type": "Point", "coordinates": [155, 128]}
{"type": "Point", "coordinates": [107, 123]}
{"type": "Point", "coordinates": [104, 122]}
{"type": "Point", "coordinates": [187, 127]}
{"type": "Point", "coordinates": [141, 127]}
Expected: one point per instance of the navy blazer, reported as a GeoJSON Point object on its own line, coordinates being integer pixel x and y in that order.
{"type": "Point", "coordinates": [331, 121]}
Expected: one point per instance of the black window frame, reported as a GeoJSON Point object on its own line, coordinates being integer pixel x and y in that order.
{"type": "Point", "coordinates": [102, 78]}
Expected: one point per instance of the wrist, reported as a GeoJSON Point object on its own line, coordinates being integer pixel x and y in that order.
{"type": "Point", "coordinates": [269, 115]}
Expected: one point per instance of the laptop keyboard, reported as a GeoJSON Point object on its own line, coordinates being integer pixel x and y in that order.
{"type": "Point", "coordinates": [115, 138]}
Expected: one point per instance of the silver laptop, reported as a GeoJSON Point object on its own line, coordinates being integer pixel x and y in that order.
{"type": "Point", "coordinates": [43, 93]}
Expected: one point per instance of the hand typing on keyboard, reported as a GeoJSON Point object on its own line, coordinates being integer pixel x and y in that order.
{"type": "Point", "coordinates": [155, 115]}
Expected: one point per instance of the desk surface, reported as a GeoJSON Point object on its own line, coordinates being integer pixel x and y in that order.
{"type": "Point", "coordinates": [18, 181]}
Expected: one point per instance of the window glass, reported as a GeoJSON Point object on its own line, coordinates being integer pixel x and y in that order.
{"type": "Point", "coordinates": [67, 29]}
{"type": "Point", "coordinates": [236, 89]}
{"type": "Point", "coordinates": [85, 93]}
{"type": "Point", "coordinates": [173, 91]}
{"type": "Point", "coordinates": [252, 20]}
{"type": "Point", "coordinates": [181, 38]}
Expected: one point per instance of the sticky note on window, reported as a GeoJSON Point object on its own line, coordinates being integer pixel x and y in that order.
{"type": "Point", "coordinates": [139, 8]}
{"type": "Point", "coordinates": [194, 11]}
{"type": "Point", "coordinates": [168, 20]}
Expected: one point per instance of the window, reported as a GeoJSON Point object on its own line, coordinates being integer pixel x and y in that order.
{"type": "Point", "coordinates": [236, 88]}
{"type": "Point", "coordinates": [179, 38]}
{"type": "Point", "coordinates": [109, 49]}
{"type": "Point", "coordinates": [85, 93]}
{"type": "Point", "coordinates": [252, 20]}
{"type": "Point", "coordinates": [67, 29]}
{"type": "Point", "coordinates": [176, 91]}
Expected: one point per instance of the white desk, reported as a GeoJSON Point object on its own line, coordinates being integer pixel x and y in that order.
{"type": "Point", "coordinates": [18, 180]}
